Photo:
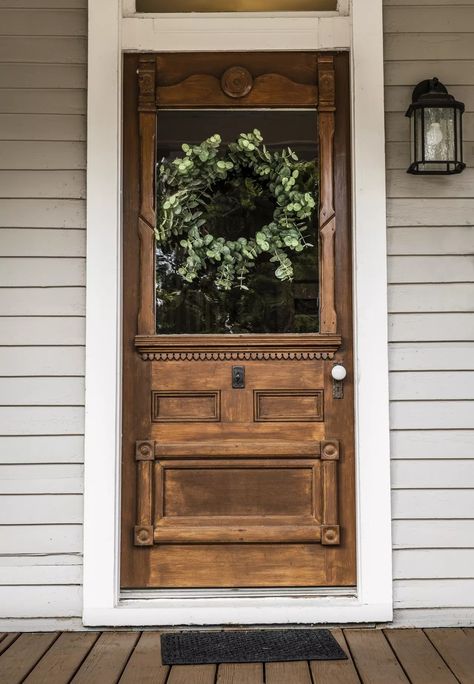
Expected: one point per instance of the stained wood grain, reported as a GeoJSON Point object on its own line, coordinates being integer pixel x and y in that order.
{"type": "Point", "coordinates": [420, 660]}
{"type": "Point", "coordinates": [240, 673]}
{"type": "Point", "coordinates": [192, 674]}
{"type": "Point", "coordinates": [144, 666]}
{"type": "Point", "coordinates": [23, 655]}
{"type": "Point", "coordinates": [63, 658]}
{"type": "Point", "coordinates": [374, 658]}
{"type": "Point", "coordinates": [7, 640]}
{"type": "Point", "coordinates": [455, 647]}
{"type": "Point", "coordinates": [281, 673]}
{"type": "Point", "coordinates": [107, 658]}
{"type": "Point", "coordinates": [335, 671]}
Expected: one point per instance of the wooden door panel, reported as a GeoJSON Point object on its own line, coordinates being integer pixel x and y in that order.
{"type": "Point", "coordinates": [226, 486]}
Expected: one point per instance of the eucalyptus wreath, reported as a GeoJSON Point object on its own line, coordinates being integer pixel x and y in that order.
{"type": "Point", "coordinates": [200, 187]}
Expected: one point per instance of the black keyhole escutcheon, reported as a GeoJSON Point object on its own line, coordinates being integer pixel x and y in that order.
{"type": "Point", "coordinates": [238, 377]}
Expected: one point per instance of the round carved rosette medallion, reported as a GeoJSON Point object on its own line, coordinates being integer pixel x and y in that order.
{"type": "Point", "coordinates": [237, 81]}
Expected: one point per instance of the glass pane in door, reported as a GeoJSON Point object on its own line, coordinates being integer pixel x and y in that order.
{"type": "Point", "coordinates": [269, 305]}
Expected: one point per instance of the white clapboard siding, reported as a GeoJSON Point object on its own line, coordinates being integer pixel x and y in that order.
{"type": "Point", "coordinates": [42, 213]}
{"type": "Point", "coordinates": [41, 154]}
{"type": "Point", "coordinates": [42, 272]}
{"type": "Point", "coordinates": [20, 75]}
{"type": "Point", "coordinates": [55, 184]}
{"type": "Point", "coordinates": [42, 301]}
{"type": "Point", "coordinates": [47, 541]}
{"type": "Point", "coordinates": [40, 575]}
{"type": "Point", "coordinates": [431, 327]}
{"type": "Point", "coordinates": [407, 73]}
{"type": "Point", "coordinates": [400, 184]}
{"type": "Point", "coordinates": [41, 420]}
{"type": "Point", "coordinates": [422, 45]}
{"type": "Point", "coordinates": [435, 356]}
{"type": "Point", "coordinates": [396, 97]}
{"type": "Point", "coordinates": [433, 563]}
{"type": "Point", "coordinates": [37, 509]}
{"type": "Point", "coordinates": [431, 212]}
{"type": "Point", "coordinates": [41, 449]}
{"type": "Point", "coordinates": [422, 504]}
{"type": "Point", "coordinates": [421, 617]}
{"type": "Point", "coordinates": [26, 391]}
{"type": "Point", "coordinates": [57, 478]}
{"type": "Point", "coordinates": [453, 593]}
{"type": "Point", "coordinates": [42, 330]}
{"type": "Point", "coordinates": [432, 444]}
{"type": "Point", "coordinates": [428, 19]}
{"type": "Point", "coordinates": [43, 79]}
{"type": "Point", "coordinates": [432, 385]}
{"type": "Point", "coordinates": [431, 269]}
{"type": "Point", "coordinates": [440, 474]}
{"type": "Point", "coordinates": [398, 154]}
{"type": "Point", "coordinates": [47, 22]}
{"type": "Point", "coordinates": [41, 601]}
{"type": "Point", "coordinates": [432, 240]}
{"type": "Point", "coordinates": [41, 361]}
{"type": "Point", "coordinates": [415, 415]}
{"type": "Point", "coordinates": [432, 534]}
{"type": "Point", "coordinates": [447, 297]}
{"type": "Point", "coordinates": [30, 242]}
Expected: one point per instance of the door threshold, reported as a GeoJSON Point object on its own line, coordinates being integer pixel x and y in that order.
{"type": "Point", "coordinates": [242, 593]}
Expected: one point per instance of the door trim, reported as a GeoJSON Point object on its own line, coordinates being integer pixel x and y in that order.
{"type": "Point", "coordinates": [102, 602]}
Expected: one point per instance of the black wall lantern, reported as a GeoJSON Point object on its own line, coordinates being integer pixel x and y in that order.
{"type": "Point", "coordinates": [436, 130]}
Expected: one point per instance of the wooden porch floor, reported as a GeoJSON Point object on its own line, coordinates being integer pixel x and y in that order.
{"type": "Point", "coordinates": [392, 656]}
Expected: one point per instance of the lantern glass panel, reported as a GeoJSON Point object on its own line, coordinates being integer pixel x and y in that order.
{"type": "Point", "coordinates": [439, 134]}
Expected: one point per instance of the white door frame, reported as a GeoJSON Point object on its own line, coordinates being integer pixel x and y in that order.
{"type": "Point", "coordinates": [109, 35]}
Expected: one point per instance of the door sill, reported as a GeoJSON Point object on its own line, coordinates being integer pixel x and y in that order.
{"type": "Point", "coordinates": [273, 592]}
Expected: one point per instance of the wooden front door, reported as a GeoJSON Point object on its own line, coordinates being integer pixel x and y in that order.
{"type": "Point", "coordinates": [238, 445]}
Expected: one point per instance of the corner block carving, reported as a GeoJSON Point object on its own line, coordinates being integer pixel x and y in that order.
{"type": "Point", "coordinates": [330, 535]}
{"type": "Point", "coordinates": [144, 451]}
{"type": "Point", "coordinates": [330, 450]}
{"type": "Point", "coordinates": [143, 535]}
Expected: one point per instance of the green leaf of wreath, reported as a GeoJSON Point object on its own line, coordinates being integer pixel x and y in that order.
{"type": "Point", "coordinates": [186, 198]}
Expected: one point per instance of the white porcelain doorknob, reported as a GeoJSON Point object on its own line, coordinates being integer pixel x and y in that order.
{"type": "Point", "coordinates": [338, 372]}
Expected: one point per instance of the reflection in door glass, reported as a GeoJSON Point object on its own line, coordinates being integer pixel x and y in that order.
{"type": "Point", "coordinates": [269, 305]}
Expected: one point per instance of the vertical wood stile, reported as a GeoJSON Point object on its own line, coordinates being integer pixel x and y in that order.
{"type": "Point", "coordinates": [330, 533]}
{"type": "Point", "coordinates": [327, 216]}
{"type": "Point", "coordinates": [146, 220]}
{"type": "Point", "coordinates": [144, 456]}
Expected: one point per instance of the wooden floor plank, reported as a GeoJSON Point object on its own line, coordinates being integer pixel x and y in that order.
{"type": "Point", "coordinates": [192, 674]}
{"type": "Point", "coordinates": [63, 659]}
{"type": "Point", "coordinates": [8, 640]}
{"type": "Point", "coordinates": [283, 673]}
{"type": "Point", "coordinates": [374, 658]}
{"type": "Point", "coordinates": [335, 671]}
{"type": "Point", "coordinates": [107, 659]}
{"type": "Point", "coordinates": [144, 666]}
{"type": "Point", "coordinates": [418, 657]}
{"type": "Point", "coordinates": [456, 649]}
{"type": "Point", "coordinates": [22, 656]}
{"type": "Point", "coordinates": [240, 673]}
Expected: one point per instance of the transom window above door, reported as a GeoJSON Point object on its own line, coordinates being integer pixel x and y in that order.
{"type": "Point", "coordinates": [236, 6]}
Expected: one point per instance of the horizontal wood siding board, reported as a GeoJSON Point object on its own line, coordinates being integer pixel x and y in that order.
{"type": "Point", "coordinates": [42, 544]}
{"type": "Point", "coordinates": [432, 385]}
{"type": "Point", "coordinates": [456, 72]}
{"type": "Point", "coordinates": [433, 564]}
{"type": "Point", "coordinates": [48, 127]}
{"type": "Point", "coordinates": [41, 601]}
{"type": "Point", "coordinates": [42, 391]}
{"type": "Point", "coordinates": [440, 474]}
{"type": "Point", "coordinates": [47, 22]}
{"type": "Point", "coordinates": [43, 301]}
{"type": "Point", "coordinates": [430, 19]}
{"type": "Point", "coordinates": [430, 212]}
{"type": "Point", "coordinates": [40, 575]}
{"type": "Point", "coordinates": [37, 509]}
{"type": "Point", "coordinates": [437, 297]}
{"type": "Point", "coordinates": [431, 269]}
{"type": "Point", "coordinates": [42, 449]}
{"type": "Point", "coordinates": [63, 49]}
{"type": "Point", "coordinates": [431, 444]}
{"type": "Point", "coordinates": [431, 327]}
{"type": "Point", "coordinates": [18, 75]}
{"type": "Point", "coordinates": [42, 272]}
{"type": "Point", "coordinates": [430, 504]}
{"type": "Point", "coordinates": [29, 242]}
{"type": "Point", "coordinates": [400, 184]}
{"type": "Point", "coordinates": [436, 617]}
{"type": "Point", "coordinates": [433, 534]}
{"type": "Point", "coordinates": [431, 240]}
{"type": "Point", "coordinates": [54, 184]}
{"type": "Point", "coordinates": [432, 415]}
{"type": "Point", "coordinates": [41, 479]}
{"type": "Point", "coordinates": [42, 330]}
{"type": "Point", "coordinates": [42, 361]}
{"type": "Point", "coordinates": [426, 593]}
{"type": "Point", "coordinates": [42, 213]}
{"type": "Point", "coordinates": [436, 45]}
{"type": "Point", "coordinates": [41, 420]}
